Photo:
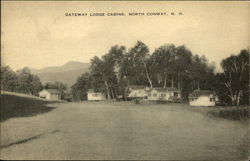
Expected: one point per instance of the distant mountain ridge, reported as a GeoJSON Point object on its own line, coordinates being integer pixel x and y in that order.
{"type": "Point", "coordinates": [67, 73]}
{"type": "Point", "coordinates": [71, 65]}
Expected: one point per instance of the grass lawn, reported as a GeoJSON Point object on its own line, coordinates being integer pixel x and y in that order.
{"type": "Point", "coordinates": [123, 130]}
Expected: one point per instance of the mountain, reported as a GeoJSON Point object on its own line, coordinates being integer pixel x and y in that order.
{"type": "Point", "coordinates": [71, 65]}
{"type": "Point", "coordinates": [67, 73]}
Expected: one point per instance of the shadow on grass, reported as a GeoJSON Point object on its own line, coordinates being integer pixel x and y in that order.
{"type": "Point", "coordinates": [16, 106]}
{"type": "Point", "coordinates": [28, 139]}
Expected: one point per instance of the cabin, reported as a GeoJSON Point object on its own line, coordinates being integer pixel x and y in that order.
{"type": "Point", "coordinates": [95, 96]}
{"type": "Point", "coordinates": [203, 98]}
{"type": "Point", "coordinates": [164, 94]}
{"type": "Point", "coordinates": [137, 92]}
{"type": "Point", "coordinates": [50, 94]}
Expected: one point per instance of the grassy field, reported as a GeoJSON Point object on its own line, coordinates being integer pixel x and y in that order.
{"type": "Point", "coordinates": [124, 130]}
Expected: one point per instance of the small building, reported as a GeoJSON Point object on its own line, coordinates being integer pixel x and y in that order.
{"type": "Point", "coordinates": [164, 94]}
{"type": "Point", "coordinates": [202, 98]}
{"type": "Point", "coordinates": [50, 94]}
{"type": "Point", "coordinates": [95, 96]}
{"type": "Point", "coordinates": [137, 92]}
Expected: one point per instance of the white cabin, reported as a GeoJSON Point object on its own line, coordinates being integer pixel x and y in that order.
{"type": "Point", "coordinates": [50, 94]}
{"type": "Point", "coordinates": [137, 92]}
{"type": "Point", "coordinates": [95, 96]}
{"type": "Point", "coordinates": [164, 94]}
{"type": "Point", "coordinates": [202, 98]}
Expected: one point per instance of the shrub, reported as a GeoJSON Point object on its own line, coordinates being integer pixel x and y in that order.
{"type": "Point", "coordinates": [233, 113]}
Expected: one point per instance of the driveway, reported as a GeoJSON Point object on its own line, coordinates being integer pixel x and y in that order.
{"type": "Point", "coordinates": [102, 130]}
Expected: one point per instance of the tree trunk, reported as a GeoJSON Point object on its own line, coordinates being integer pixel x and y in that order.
{"type": "Point", "coordinates": [165, 82]}
{"type": "Point", "coordinates": [116, 94]}
{"type": "Point", "coordinates": [112, 94]}
{"type": "Point", "coordinates": [125, 91]}
{"type": "Point", "coordinates": [198, 85]}
{"type": "Point", "coordinates": [172, 81]}
{"type": "Point", "coordinates": [238, 97]}
{"type": "Point", "coordinates": [107, 88]}
{"type": "Point", "coordinates": [149, 80]}
{"type": "Point", "coordinates": [179, 85]}
{"type": "Point", "coordinates": [125, 95]}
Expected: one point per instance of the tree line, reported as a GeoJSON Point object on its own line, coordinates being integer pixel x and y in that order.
{"type": "Point", "coordinates": [22, 81]}
{"type": "Point", "coordinates": [167, 66]}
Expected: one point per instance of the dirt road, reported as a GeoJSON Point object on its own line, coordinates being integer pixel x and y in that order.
{"type": "Point", "coordinates": [101, 130]}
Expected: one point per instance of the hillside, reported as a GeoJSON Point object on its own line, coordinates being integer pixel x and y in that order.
{"type": "Point", "coordinates": [67, 73]}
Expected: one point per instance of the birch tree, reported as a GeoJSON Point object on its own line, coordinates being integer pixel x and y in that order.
{"type": "Point", "coordinates": [236, 73]}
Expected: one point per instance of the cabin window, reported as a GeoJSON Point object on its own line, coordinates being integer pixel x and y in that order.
{"type": "Point", "coordinates": [95, 95]}
{"type": "Point", "coordinates": [176, 94]}
{"type": "Point", "coordinates": [212, 99]}
{"type": "Point", "coordinates": [192, 99]}
{"type": "Point", "coordinates": [154, 94]}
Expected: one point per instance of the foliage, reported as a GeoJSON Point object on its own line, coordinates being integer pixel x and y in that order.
{"type": "Point", "coordinates": [22, 81]}
{"type": "Point", "coordinates": [169, 65]}
{"type": "Point", "coordinates": [236, 77]}
{"type": "Point", "coordinates": [232, 113]}
{"type": "Point", "coordinates": [8, 79]}
{"type": "Point", "coordinates": [80, 88]}
{"type": "Point", "coordinates": [104, 74]}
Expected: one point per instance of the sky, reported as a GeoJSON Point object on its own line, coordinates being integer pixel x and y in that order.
{"type": "Point", "coordinates": [38, 34]}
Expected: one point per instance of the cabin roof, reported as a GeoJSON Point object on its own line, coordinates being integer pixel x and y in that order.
{"type": "Point", "coordinates": [137, 87]}
{"type": "Point", "coordinates": [167, 89]}
{"type": "Point", "coordinates": [198, 93]}
{"type": "Point", "coordinates": [52, 91]}
{"type": "Point", "coordinates": [92, 91]}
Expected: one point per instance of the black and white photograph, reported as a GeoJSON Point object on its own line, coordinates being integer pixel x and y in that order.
{"type": "Point", "coordinates": [125, 80]}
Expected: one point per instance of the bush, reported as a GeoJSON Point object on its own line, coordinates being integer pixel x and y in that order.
{"type": "Point", "coordinates": [233, 113]}
{"type": "Point", "coordinates": [137, 101]}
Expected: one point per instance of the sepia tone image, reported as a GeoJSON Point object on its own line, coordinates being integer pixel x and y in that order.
{"type": "Point", "coordinates": [128, 80]}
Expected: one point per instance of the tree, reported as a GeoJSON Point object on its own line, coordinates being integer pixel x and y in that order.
{"type": "Point", "coordinates": [113, 60]}
{"type": "Point", "coordinates": [8, 79]}
{"type": "Point", "coordinates": [201, 72]}
{"type": "Point", "coordinates": [163, 58]}
{"type": "Point", "coordinates": [134, 65]}
{"type": "Point", "coordinates": [28, 83]}
{"type": "Point", "coordinates": [236, 73]}
{"type": "Point", "coordinates": [36, 85]}
{"type": "Point", "coordinates": [80, 88]}
{"type": "Point", "coordinates": [24, 78]}
{"type": "Point", "coordinates": [100, 74]}
{"type": "Point", "coordinates": [104, 73]}
{"type": "Point", "coordinates": [181, 65]}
